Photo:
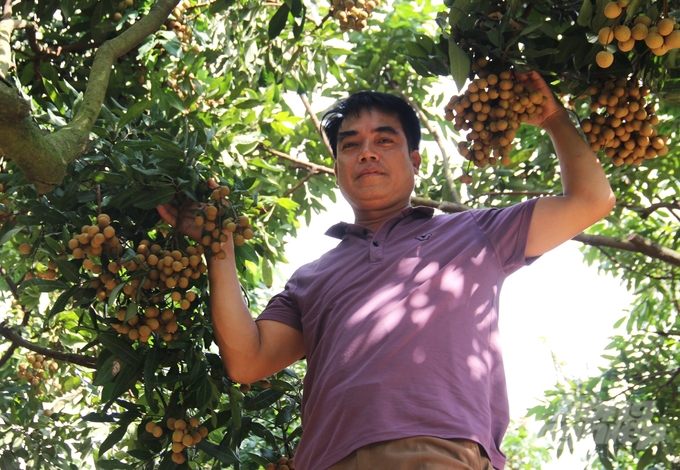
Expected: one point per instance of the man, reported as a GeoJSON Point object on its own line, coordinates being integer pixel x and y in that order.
{"type": "Point", "coordinates": [399, 322]}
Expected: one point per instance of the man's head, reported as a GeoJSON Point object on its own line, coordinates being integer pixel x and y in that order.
{"type": "Point", "coordinates": [375, 152]}
{"type": "Point", "coordinates": [372, 101]}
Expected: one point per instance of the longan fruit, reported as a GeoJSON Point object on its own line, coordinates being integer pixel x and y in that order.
{"type": "Point", "coordinates": [145, 330]}
{"type": "Point", "coordinates": [103, 220]}
{"type": "Point", "coordinates": [643, 19]}
{"type": "Point", "coordinates": [665, 26]}
{"type": "Point", "coordinates": [622, 33]}
{"type": "Point", "coordinates": [178, 435]}
{"type": "Point", "coordinates": [178, 447]}
{"type": "Point", "coordinates": [654, 40]}
{"type": "Point", "coordinates": [612, 10]}
{"type": "Point", "coordinates": [157, 431]}
{"type": "Point", "coordinates": [604, 59]}
{"type": "Point", "coordinates": [639, 32]}
{"type": "Point", "coordinates": [178, 458]}
{"type": "Point", "coordinates": [25, 248]}
{"type": "Point", "coordinates": [187, 440]}
{"type": "Point", "coordinates": [239, 240]}
{"type": "Point", "coordinates": [180, 424]}
{"type": "Point", "coordinates": [224, 191]}
{"type": "Point", "coordinates": [203, 431]}
{"type": "Point", "coordinates": [605, 35]}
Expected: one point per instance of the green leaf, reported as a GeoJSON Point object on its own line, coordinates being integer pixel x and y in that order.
{"type": "Point", "coordinates": [459, 63]}
{"type": "Point", "coordinates": [153, 359]}
{"type": "Point", "coordinates": [263, 399]}
{"type": "Point", "coordinates": [585, 16]}
{"type": "Point", "coordinates": [113, 438]}
{"type": "Point", "coordinates": [43, 285]}
{"type": "Point", "coordinates": [61, 302]}
{"type": "Point", "coordinates": [459, 9]}
{"type": "Point", "coordinates": [134, 112]}
{"type": "Point", "coordinates": [278, 21]}
{"type": "Point", "coordinates": [284, 416]}
{"type": "Point", "coordinates": [8, 233]}
{"type": "Point", "coordinates": [222, 453]}
{"type": "Point", "coordinates": [125, 380]}
{"type": "Point", "coordinates": [67, 270]}
{"type": "Point", "coordinates": [160, 195]}
{"type": "Point", "coordinates": [119, 348]}
{"type": "Point", "coordinates": [111, 464]}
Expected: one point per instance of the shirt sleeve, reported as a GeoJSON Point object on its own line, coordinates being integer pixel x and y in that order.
{"type": "Point", "coordinates": [283, 307]}
{"type": "Point", "coordinates": [507, 231]}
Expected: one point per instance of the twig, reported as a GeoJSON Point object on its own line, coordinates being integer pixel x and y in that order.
{"type": "Point", "coordinates": [317, 124]}
{"type": "Point", "coordinates": [674, 375]}
{"type": "Point", "coordinates": [309, 165]}
{"type": "Point", "coordinates": [14, 337]}
{"type": "Point", "coordinates": [300, 184]}
{"type": "Point", "coordinates": [518, 193]}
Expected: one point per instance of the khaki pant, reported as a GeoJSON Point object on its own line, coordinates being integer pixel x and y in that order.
{"type": "Point", "coordinates": [417, 453]}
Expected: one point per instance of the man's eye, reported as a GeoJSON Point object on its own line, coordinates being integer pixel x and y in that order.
{"type": "Point", "coordinates": [348, 145]}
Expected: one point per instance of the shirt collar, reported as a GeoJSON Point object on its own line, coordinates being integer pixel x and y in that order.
{"type": "Point", "coordinates": [339, 230]}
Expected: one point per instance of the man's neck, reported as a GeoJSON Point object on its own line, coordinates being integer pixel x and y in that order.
{"type": "Point", "coordinates": [374, 219]}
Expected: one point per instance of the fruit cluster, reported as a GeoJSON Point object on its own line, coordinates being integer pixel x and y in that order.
{"type": "Point", "coordinates": [95, 239]}
{"type": "Point", "coordinates": [185, 433]}
{"type": "Point", "coordinates": [176, 24]}
{"type": "Point", "coordinates": [624, 125]}
{"type": "Point", "coordinates": [491, 109]}
{"type": "Point", "coordinates": [659, 38]}
{"type": "Point", "coordinates": [284, 463]}
{"type": "Point", "coordinates": [353, 14]}
{"type": "Point", "coordinates": [212, 220]}
{"type": "Point", "coordinates": [36, 368]}
{"type": "Point", "coordinates": [122, 6]}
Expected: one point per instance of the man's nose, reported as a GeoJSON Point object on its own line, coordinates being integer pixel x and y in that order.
{"type": "Point", "coordinates": [368, 153]}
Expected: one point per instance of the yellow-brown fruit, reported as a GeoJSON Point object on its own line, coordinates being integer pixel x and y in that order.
{"type": "Point", "coordinates": [178, 458]}
{"type": "Point", "coordinates": [606, 35]}
{"type": "Point", "coordinates": [270, 466]}
{"type": "Point", "coordinates": [210, 212]}
{"type": "Point", "coordinates": [639, 32]}
{"type": "Point", "coordinates": [190, 296]}
{"type": "Point", "coordinates": [622, 33]}
{"type": "Point", "coordinates": [144, 330]}
{"type": "Point", "coordinates": [654, 40]}
{"type": "Point", "coordinates": [180, 424]}
{"type": "Point", "coordinates": [177, 436]}
{"type": "Point", "coordinates": [133, 334]}
{"type": "Point", "coordinates": [103, 220]}
{"type": "Point", "coordinates": [660, 50]}
{"type": "Point", "coordinates": [225, 191]}
{"type": "Point", "coordinates": [203, 431]}
{"type": "Point", "coordinates": [239, 240]}
{"type": "Point", "coordinates": [612, 10]}
{"type": "Point", "coordinates": [199, 221]}
{"type": "Point", "coordinates": [665, 26]}
{"type": "Point", "coordinates": [47, 412]}
{"type": "Point", "coordinates": [187, 440]}
{"type": "Point", "coordinates": [604, 59]}
{"type": "Point", "coordinates": [149, 426]}
{"type": "Point", "coordinates": [643, 19]}
{"type": "Point", "coordinates": [171, 423]}
{"type": "Point", "coordinates": [243, 221]}
{"type": "Point", "coordinates": [248, 234]}
{"type": "Point", "coordinates": [153, 323]}
{"type": "Point", "coordinates": [627, 45]}
{"type": "Point", "coordinates": [196, 438]}
{"type": "Point", "coordinates": [109, 232]}
{"type": "Point", "coordinates": [157, 431]}
{"type": "Point", "coordinates": [193, 422]}
{"type": "Point", "coordinates": [264, 383]}
{"type": "Point", "coordinates": [245, 388]}
{"type": "Point", "coordinates": [73, 243]}
{"type": "Point", "coordinates": [25, 248]}
{"type": "Point", "coordinates": [178, 447]}
{"type": "Point", "coordinates": [672, 41]}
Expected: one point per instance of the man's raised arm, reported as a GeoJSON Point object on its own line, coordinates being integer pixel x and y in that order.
{"type": "Point", "coordinates": [587, 196]}
{"type": "Point", "coordinates": [250, 350]}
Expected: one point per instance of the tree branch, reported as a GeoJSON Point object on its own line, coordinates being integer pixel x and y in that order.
{"type": "Point", "coordinates": [43, 158]}
{"type": "Point", "coordinates": [309, 165]}
{"type": "Point", "coordinates": [317, 124]}
{"type": "Point", "coordinates": [18, 341]}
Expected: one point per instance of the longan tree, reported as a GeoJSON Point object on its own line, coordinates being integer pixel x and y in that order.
{"type": "Point", "coordinates": [110, 109]}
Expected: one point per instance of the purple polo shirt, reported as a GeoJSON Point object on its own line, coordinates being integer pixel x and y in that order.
{"type": "Point", "coordinates": [401, 331]}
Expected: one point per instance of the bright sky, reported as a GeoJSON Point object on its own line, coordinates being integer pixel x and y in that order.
{"type": "Point", "coordinates": [556, 306]}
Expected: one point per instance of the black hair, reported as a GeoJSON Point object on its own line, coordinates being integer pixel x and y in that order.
{"type": "Point", "coordinates": [362, 101]}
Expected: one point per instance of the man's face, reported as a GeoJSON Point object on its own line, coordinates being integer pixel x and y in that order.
{"type": "Point", "coordinates": [374, 168]}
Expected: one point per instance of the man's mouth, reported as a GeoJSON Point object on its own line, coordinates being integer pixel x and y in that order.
{"type": "Point", "coordinates": [369, 172]}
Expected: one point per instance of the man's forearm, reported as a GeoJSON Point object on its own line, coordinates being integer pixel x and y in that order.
{"type": "Point", "coordinates": [236, 333]}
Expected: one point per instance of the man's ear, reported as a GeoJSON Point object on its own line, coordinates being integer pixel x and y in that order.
{"type": "Point", "coordinates": [416, 161]}
{"type": "Point", "coordinates": [335, 170]}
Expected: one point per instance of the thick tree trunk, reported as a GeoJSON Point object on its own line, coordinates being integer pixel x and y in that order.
{"type": "Point", "coordinates": [43, 157]}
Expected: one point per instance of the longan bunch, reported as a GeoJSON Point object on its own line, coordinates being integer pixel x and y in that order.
{"type": "Point", "coordinates": [284, 463]}
{"type": "Point", "coordinates": [185, 433]}
{"type": "Point", "coordinates": [36, 368]}
{"type": "Point", "coordinates": [491, 109]}
{"type": "Point", "coordinates": [122, 6]}
{"type": "Point", "coordinates": [353, 14]}
{"type": "Point", "coordinates": [95, 239]}
{"type": "Point", "coordinates": [176, 24]}
{"type": "Point", "coordinates": [624, 125]}
{"type": "Point", "coordinates": [659, 38]}
{"type": "Point", "coordinates": [50, 273]}
{"type": "Point", "coordinates": [211, 219]}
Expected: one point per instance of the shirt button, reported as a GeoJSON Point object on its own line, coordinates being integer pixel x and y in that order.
{"type": "Point", "coordinates": [376, 243]}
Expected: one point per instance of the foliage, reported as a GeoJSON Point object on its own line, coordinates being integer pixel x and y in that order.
{"type": "Point", "coordinates": [217, 93]}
